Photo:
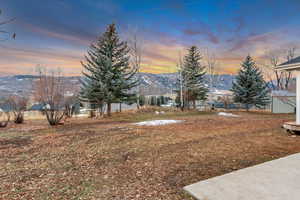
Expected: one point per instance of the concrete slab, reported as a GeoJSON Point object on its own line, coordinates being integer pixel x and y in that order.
{"type": "Point", "coordinates": [275, 180]}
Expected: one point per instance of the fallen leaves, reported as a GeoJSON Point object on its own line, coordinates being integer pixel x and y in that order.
{"type": "Point", "coordinates": [114, 160]}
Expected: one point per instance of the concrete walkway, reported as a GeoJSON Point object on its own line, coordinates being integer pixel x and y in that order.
{"type": "Point", "coordinates": [275, 180]}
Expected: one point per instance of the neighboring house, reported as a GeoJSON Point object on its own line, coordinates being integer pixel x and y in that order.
{"type": "Point", "coordinates": [215, 95]}
{"type": "Point", "coordinates": [36, 107]}
{"type": "Point", "coordinates": [283, 101]}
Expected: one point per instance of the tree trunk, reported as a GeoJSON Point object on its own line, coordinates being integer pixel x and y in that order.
{"type": "Point", "coordinates": [138, 102]}
{"type": "Point", "coordinates": [194, 104]}
{"type": "Point", "coordinates": [287, 80]}
{"type": "Point", "coordinates": [247, 107]}
{"type": "Point", "coordinates": [182, 107]}
{"type": "Point", "coordinates": [120, 107]}
{"type": "Point", "coordinates": [4, 123]}
{"type": "Point", "coordinates": [92, 114]}
{"type": "Point", "coordinates": [19, 118]}
{"type": "Point", "coordinates": [109, 109]}
{"type": "Point", "coordinates": [101, 108]}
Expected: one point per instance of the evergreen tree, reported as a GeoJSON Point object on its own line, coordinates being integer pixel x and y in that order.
{"type": "Point", "coordinates": [108, 77]}
{"type": "Point", "coordinates": [162, 100]}
{"type": "Point", "coordinates": [152, 100]}
{"type": "Point", "coordinates": [250, 87]}
{"type": "Point", "coordinates": [93, 93]}
{"type": "Point", "coordinates": [158, 101]}
{"type": "Point", "coordinates": [142, 100]}
{"type": "Point", "coordinates": [193, 77]}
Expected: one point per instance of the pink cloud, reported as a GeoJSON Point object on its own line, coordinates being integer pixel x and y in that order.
{"type": "Point", "coordinates": [200, 28]}
{"type": "Point", "coordinates": [82, 40]}
{"type": "Point", "coordinates": [252, 40]}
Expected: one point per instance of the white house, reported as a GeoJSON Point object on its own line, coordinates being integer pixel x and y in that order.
{"type": "Point", "coordinates": [294, 66]}
{"type": "Point", "coordinates": [283, 101]}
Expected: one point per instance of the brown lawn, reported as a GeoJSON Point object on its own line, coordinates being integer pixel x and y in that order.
{"type": "Point", "coordinates": [113, 159]}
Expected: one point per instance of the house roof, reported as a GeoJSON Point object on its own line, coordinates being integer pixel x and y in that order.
{"type": "Point", "coordinates": [282, 93]}
{"type": "Point", "coordinates": [293, 64]}
{"type": "Point", "coordinates": [36, 107]}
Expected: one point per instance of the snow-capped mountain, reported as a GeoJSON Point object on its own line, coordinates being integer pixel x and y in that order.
{"type": "Point", "coordinates": [150, 83]}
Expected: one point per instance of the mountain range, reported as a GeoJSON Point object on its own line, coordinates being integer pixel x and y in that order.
{"type": "Point", "coordinates": [151, 84]}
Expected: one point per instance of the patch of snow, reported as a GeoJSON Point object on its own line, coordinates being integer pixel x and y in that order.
{"type": "Point", "coordinates": [82, 115]}
{"type": "Point", "coordinates": [227, 114]}
{"type": "Point", "coordinates": [221, 92]}
{"type": "Point", "coordinates": [159, 113]}
{"type": "Point", "coordinates": [158, 122]}
{"type": "Point", "coordinates": [147, 81]}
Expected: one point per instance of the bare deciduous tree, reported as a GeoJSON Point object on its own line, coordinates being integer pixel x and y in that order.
{"type": "Point", "coordinates": [282, 78]}
{"type": "Point", "coordinates": [4, 114]}
{"type": "Point", "coordinates": [135, 43]}
{"type": "Point", "coordinates": [17, 106]}
{"type": "Point", "coordinates": [50, 90]}
{"type": "Point", "coordinates": [212, 69]}
{"type": "Point", "coordinates": [6, 33]}
{"type": "Point", "coordinates": [287, 100]}
{"type": "Point", "coordinates": [181, 82]}
{"type": "Point", "coordinates": [70, 105]}
{"type": "Point", "coordinates": [270, 72]}
{"type": "Point", "coordinates": [4, 119]}
{"type": "Point", "coordinates": [290, 54]}
{"type": "Point", "coordinates": [226, 100]}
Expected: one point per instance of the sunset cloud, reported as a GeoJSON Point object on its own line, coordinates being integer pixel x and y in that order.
{"type": "Point", "coordinates": [82, 39]}
{"type": "Point", "coordinates": [199, 28]}
{"type": "Point", "coordinates": [58, 33]}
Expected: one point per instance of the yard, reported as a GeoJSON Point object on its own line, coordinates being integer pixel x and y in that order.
{"type": "Point", "coordinates": [114, 159]}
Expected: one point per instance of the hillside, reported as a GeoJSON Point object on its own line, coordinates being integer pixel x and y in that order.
{"type": "Point", "coordinates": [150, 83]}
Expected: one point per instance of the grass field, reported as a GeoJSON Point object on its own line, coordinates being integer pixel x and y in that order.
{"type": "Point", "coordinates": [114, 159]}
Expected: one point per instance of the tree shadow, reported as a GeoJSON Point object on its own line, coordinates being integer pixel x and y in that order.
{"type": "Point", "coordinates": [15, 142]}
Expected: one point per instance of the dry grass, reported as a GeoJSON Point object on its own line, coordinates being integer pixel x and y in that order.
{"type": "Point", "coordinates": [113, 159]}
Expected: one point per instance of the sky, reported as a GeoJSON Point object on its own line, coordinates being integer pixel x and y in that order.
{"type": "Point", "coordinates": [57, 33]}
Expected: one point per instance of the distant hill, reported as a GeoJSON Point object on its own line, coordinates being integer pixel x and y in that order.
{"type": "Point", "coordinates": [151, 84]}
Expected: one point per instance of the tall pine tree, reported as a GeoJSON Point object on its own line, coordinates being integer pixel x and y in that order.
{"type": "Point", "coordinates": [250, 87]}
{"type": "Point", "coordinates": [108, 76]}
{"type": "Point", "coordinates": [193, 77]}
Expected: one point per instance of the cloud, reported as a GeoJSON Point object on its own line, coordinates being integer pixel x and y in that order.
{"type": "Point", "coordinates": [161, 57]}
{"type": "Point", "coordinates": [63, 29]}
{"type": "Point", "coordinates": [78, 38]}
{"type": "Point", "coordinates": [200, 28]}
{"type": "Point", "coordinates": [24, 60]}
{"type": "Point", "coordinates": [176, 5]}
{"type": "Point", "coordinates": [240, 23]}
{"type": "Point", "coordinates": [107, 6]}
{"type": "Point", "coordinates": [208, 34]}
{"type": "Point", "coordinates": [254, 40]}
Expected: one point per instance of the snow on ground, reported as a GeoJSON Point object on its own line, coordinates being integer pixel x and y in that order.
{"type": "Point", "coordinates": [157, 122]}
{"type": "Point", "coordinates": [82, 115]}
{"type": "Point", "coordinates": [147, 81]}
{"type": "Point", "coordinates": [227, 114]}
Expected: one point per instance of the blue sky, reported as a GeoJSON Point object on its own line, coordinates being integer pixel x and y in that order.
{"type": "Point", "coordinates": [57, 33]}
